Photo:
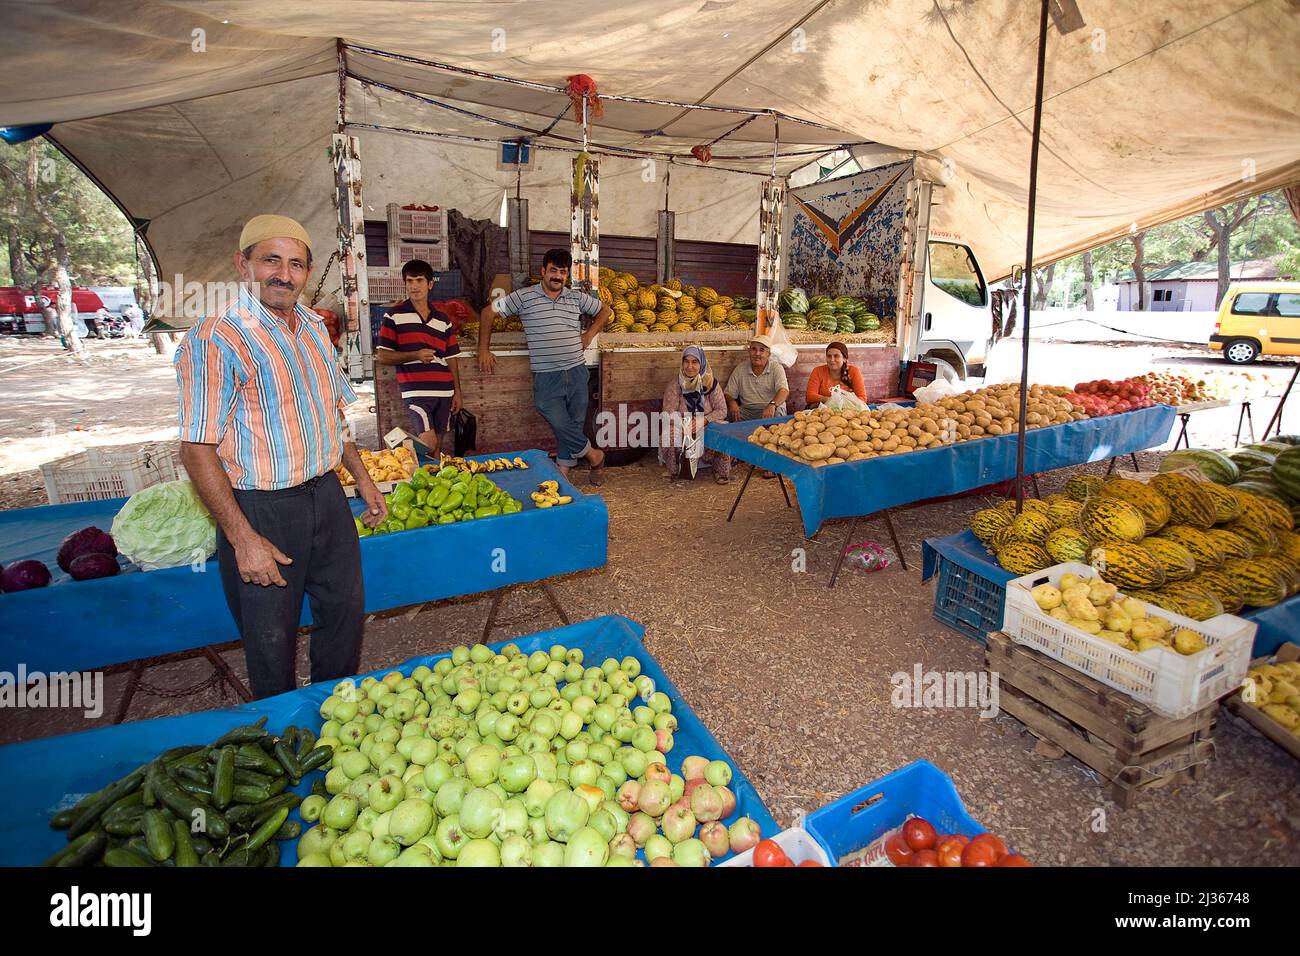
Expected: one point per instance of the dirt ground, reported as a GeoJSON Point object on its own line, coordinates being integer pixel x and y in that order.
{"type": "Point", "coordinates": [792, 678]}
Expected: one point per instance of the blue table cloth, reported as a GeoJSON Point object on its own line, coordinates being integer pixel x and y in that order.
{"type": "Point", "coordinates": [1276, 625]}
{"type": "Point", "coordinates": [48, 775]}
{"type": "Point", "coordinates": [859, 488]}
{"type": "Point", "coordinates": [77, 625]}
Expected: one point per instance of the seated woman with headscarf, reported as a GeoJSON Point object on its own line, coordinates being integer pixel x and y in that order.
{"type": "Point", "coordinates": [691, 401]}
{"type": "Point", "coordinates": [836, 371]}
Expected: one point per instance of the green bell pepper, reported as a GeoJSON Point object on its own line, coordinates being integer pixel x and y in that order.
{"type": "Point", "coordinates": [418, 519]}
{"type": "Point", "coordinates": [420, 480]}
{"type": "Point", "coordinates": [453, 502]}
{"type": "Point", "coordinates": [470, 498]}
{"type": "Point", "coordinates": [446, 519]}
{"type": "Point", "coordinates": [437, 496]}
{"type": "Point", "coordinates": [421, 496]}
{"type": "Point", "coordinates": [489, 511]}
{"type": "Point", "coordinates": [512, 507]}
{"type": "Point", "coordinates": [400, 510]}
{"type": "Point", "coordinates": [450, 472]}
{"type": "Point", "coordinates": [403, 494]}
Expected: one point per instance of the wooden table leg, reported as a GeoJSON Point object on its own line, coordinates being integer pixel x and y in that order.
{"type": "Point", "coordinates": [132, 681]}
{"type": "Point", "coordinates": [228, 675]}
{"type": "Point", "coordinates": [497, 595]}
{"type": "Point", "coordinates": [740, 494]}
{"type": "Point", "coordinates": [1182, 434]}
{"type": "Point", "coordinates": [1033, 480]}
{"type": "Point", "coordinates": [555, 601]}
{"type": "Point", "coordinates": [1134, 457]}
{"type": "Point", "coordinates": [1110, 469]}
{"type": "Point", "coordinates": [839, 562]}
{"type": "Point", "coordinates": [898, 549]}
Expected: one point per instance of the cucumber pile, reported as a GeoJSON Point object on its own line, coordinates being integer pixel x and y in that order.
{"type": "Point", "coordinates": [224, 804]}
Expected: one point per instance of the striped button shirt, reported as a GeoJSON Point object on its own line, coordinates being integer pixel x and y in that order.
{"type": "Point", "coordinates": [402, 330]}
{"type": "Point", "coordinates": [269, 398]}
{"type": "Point", "coordinates": [553, 326]}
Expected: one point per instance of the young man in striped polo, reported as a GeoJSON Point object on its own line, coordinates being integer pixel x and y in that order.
{"type": "Point", "coordinates": [262, 427]}
{"type": "Point", "coordinates": [418, 339]}
{"type": "Point", "coordinates": [552, 316]}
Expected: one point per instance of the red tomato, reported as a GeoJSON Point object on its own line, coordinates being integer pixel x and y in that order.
{"type": "Point", "coordinates": [919, 834]}
{"type": "Point", "coordinates": [1014, 859]}
{"type": "Point", "coordinates": [769, 853]}
{"type": "Point", "coordinates": [949, 850]}
{"type": "Point", "coordinates": [896, 848]}
{"type": "Point", "coordinates": [979, 853]}
{"type": "Point", "coordinates": [788, 862]}
{"type": "Point", "coordinates": [998, 846]}
{"type": "Point", "coordinates": [810, 863]}
{"type": "Point", "coordinates": [925, 858]}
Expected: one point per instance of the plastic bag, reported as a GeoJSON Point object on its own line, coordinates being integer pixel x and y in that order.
{"type": "Point", "coordinates": [782, 348]}
{"type": "Point", "coordinates": [842, 399]}
{"type": "Point", "coordinates": [939, 388]}
{"type": "Point", "coordinates": [465, 429]}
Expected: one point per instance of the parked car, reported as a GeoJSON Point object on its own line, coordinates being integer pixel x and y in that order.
{"type": "Point", "coordinates": [1262, 318]}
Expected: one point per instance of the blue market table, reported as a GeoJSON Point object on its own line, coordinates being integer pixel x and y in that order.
{"type": "Point", "coordinates": [1275, 625]}
{"type": "Point", "coordinates": [54, 773]}
{"type": "Point", "coordinates": [138, 615]}
{"type": "Point", "coordinates": [861, 489]}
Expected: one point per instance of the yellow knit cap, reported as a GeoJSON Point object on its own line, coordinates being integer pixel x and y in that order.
{"type": "Point", "coordinates": [272, 227]}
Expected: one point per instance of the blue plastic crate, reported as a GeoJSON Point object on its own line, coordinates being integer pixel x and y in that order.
{"type": "Point", "coordinates": [968, 602]}
{"type": "Point", "coordinates": [868, 813]}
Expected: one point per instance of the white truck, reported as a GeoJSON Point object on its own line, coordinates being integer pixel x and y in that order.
{"type": "Point", "coordinates": [869, 235]}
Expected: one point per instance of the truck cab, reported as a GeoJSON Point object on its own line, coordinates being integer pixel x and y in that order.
{"type": "Point", "coordinates": [956, 322]}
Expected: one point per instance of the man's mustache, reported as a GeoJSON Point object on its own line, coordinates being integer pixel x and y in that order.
{"type": "Point", "coordinates": [277, 284]}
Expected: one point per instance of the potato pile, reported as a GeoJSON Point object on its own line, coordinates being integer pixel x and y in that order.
{"type": "Point", "coordinates": [824, 437]}
{"type": "Point", "coordinates": [1093, 606]}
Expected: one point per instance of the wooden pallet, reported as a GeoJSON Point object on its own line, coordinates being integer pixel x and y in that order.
{"type": "Point", "coordinates": [1125, 741]}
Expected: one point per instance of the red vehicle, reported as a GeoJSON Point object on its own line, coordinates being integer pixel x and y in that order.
{"type": "Point", "coordinates": [20, 310]}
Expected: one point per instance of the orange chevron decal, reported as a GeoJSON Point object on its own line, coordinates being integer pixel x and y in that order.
{"type": "Point", "coordinates": [840, 233]}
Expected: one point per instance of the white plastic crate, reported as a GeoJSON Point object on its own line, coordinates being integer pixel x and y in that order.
{"type": "Point", "coordinates": [1167, 682]}
{"type": "Point", "coordinates": [797, 844]}
{"type": "Point", "coordinates": [99, 474]}
{"type": "Point", "coordinates": [421, 223]}
{"type": "Point", "coordinates": [386, 286]}
{"type": "Point", "coordinates": [401, 251]}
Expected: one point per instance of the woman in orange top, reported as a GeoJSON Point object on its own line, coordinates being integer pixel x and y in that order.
{"type": "Point", "coordinates": [836, 371]}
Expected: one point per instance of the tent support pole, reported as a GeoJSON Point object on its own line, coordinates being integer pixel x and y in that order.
{"type": "Point", "coordinates": [1029, 251]}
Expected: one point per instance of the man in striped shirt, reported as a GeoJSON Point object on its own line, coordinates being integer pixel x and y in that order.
{"type": "Point", "coordinates": [552, 316]}
{"type": "Point", "coordinates": [262, 428]}
{"type": "Point", "coordinates": [419, 338]}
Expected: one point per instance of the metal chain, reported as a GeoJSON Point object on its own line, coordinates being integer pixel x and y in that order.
{"type": "Point", "coordinates": [324, 274]}
{"type": "Point", "coordinates": [143, 686]}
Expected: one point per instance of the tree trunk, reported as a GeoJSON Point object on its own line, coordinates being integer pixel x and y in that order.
{"type": "Point", "coordinates": [1087, 281]}
{"type": "Point", "coordinates": [1043, 280]}
{"type": "Point", "coordinates": [62, 263]}
{"type": "Point", "coordinates": [1222, 236]}
{"type": "Point", "coordinates": [1139, 269]}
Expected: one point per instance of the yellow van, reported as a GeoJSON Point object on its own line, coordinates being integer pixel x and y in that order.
{"type": "Point", "coordinates": [1261, 318]}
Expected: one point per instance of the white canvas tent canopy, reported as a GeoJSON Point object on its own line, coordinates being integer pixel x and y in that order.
{"type": "Point", "coordinates": [197, 115]}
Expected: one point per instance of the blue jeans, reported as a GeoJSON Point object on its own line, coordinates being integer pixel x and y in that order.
{"type": "Point", "coordinates": [561, 399]}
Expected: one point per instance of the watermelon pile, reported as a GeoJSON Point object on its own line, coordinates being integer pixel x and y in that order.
{"type": "Point", "coordinates": [1270, 468]}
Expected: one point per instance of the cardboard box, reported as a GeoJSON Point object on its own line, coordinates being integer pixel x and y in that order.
{"type": "Point", "coordinates": [1261, 721]}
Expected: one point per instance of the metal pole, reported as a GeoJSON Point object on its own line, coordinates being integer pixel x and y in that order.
{"type": "Point", "coordinates": [1029, 253]}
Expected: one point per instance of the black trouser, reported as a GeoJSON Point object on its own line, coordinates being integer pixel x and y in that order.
{"type": "Point", "coordinates": [312, 524]}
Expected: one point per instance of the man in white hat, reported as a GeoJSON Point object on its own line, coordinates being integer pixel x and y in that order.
{"type": "Point", "coordinates": [757, 388]}
{"type": "Point", "coordinates": [262, 428]}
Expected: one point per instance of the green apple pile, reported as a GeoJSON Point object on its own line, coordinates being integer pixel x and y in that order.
{"type": "Point", "coordinates": [514, 759]}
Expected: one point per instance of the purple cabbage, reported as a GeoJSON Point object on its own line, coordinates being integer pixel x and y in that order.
{"type": "Point", "coordinates": [86, 541]}
{"type": "Point", "coordinates": [95, 564]}
{"type": "Point", "coordinates": [24, 575]}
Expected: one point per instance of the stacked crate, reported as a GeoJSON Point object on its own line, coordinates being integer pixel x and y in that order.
{"type": "Point", "coordinates": [418, 232]}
